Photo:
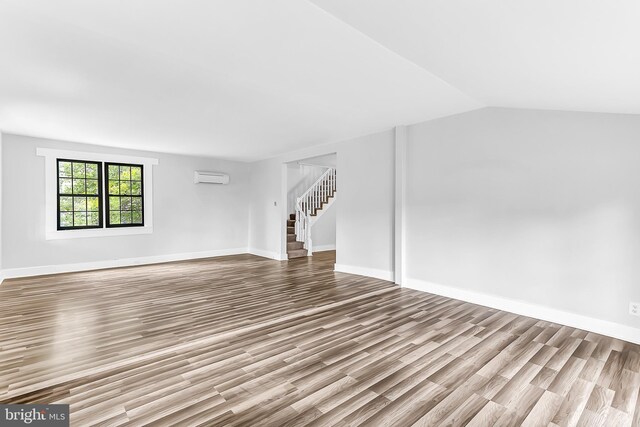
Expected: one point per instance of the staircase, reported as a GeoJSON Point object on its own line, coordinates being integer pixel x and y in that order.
{"type": "Point", "coordinates": [309, 207]}
{"type": "Point", "coordinates": [295, 249]}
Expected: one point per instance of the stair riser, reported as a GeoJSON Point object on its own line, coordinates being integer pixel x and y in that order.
{"type": "Point", "coordinates": [292, 246]}
{"type": "Point", "coordinates": [297, 253]}
{"type": "Point", "coordinates": [324, 202]}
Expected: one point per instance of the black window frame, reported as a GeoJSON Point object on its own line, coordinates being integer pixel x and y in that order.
{"type": "Point", "coordinates": [99, 166]}
{"type": "Point", "coordinates": [107, 195]}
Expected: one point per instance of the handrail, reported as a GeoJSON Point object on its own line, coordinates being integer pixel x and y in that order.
{"type": "Point", "coordinates": [310, 202]}
{"type": "Point", "coordinates": [315, 184]}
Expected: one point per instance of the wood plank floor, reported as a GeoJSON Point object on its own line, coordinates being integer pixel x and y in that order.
{"type": "Point", "coordinates": [243, 340]}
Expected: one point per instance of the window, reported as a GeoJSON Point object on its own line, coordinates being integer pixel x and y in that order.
{"type": "Point", "coordinates": [80, 201]}
{"type": "Point", "coordinates": [125, 195]}
{"type": "Point", "coordinates": [70, 196]}
{"type": "Point", "coordinates": [79, 194]}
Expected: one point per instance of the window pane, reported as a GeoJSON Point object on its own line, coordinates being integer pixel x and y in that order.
{"type": "Point", "coordinates": [124, 187]}
{"type": "Point", "coordinates": [92, 170]}
{"type": "Point", "coordinates": [92, 186]}
{"type": "Point", "coordinates": [123, 182]}
{"type": "Point", "coordinates": [136, 173]}
{"type": "Point", "coordinates": [114, 172]}
{"type": "Point", "coordinates": [125, 203]}
{"type": "Point", "coordinates": [64, 169]}
{"type": "Point", "coordinates": [66, 219]}
{"type": "Point", "coordinates": [79, 219]}
{"type": "Point", "coordinates": [78, 186]}
{"type": "Point", "coordinates": [66, 204]}
{"type": "Point", "coordinates": [65, 186]}
{"type": "Point", "coordinates": [114, 203]}
{"type": "Point", "coordinates": [79, 204]}
{"type": "Point", "coordinates": [125, 217]}
{"type": "Point", "coordinates": [136, 203]}
{"type": "Point", "coordinates": [114, 187]}
{"type": "Point", "coordinates": [114, 217]}
{"type": "Point", "coordinates": [78, 170]}
{"type": "Point", "coordinates": [93, 218]}
{"type": "Point", "coordinates": [136, 188]}
{"type": "Point", "coordinates": [93, 204]}
{"type": "Point", "coordinates": [125, 172]}
{"type": "Point", "coordinates": [79, 178]}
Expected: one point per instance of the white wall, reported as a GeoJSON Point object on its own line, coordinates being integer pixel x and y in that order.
{"type": "Point", "coordinates": [268, 211]}
{"type": "Point", "coordinates": [187, 218]}
{"type": "Point", "coordinates": [541, 207]}
{"type": "Point", "coordinates": [323, 232]}
{"type": "Point", "coordinates": [1, 197]}
{"type": "Point", "coordinates": [327, 160]}
{"type": "Point", "coordinates": [299, 179]}
{"type": "Point", "coordinates": [364, 209]}
{"type": "Point", "coordinates": [365, 215]}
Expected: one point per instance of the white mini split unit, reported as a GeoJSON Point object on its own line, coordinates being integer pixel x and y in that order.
{"type": "Point", "coordinates": [202, 177]}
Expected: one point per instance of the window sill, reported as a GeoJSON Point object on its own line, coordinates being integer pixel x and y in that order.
{"type": "Point", "coordinates": [97, 232]}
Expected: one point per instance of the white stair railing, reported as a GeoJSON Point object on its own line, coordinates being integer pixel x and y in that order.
{"type": "Point", "coordinates": [310, 203]}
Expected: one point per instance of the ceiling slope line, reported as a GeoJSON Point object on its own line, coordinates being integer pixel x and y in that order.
{"type": "Point", "coordinates": [480, 103]}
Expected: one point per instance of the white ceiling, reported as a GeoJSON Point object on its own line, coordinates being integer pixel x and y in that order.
{"type": "Point", "coordinates": [241, 79]}
{"type": "Point", "coordinates": [249, 79]}
{"type": "Point", "coordinates": [581, 55]}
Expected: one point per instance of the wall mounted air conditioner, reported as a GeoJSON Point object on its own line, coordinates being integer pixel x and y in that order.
{"type": "Point", "coordinates": [202, 177]}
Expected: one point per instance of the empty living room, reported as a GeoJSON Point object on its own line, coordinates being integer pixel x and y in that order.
{"type": "Point", "coordinates": [320, 212]}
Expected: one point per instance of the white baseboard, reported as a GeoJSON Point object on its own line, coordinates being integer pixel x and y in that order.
{"type": "Point", "coordinates": [323, 248]}
{"type": "Point", "coordinates": [267, 254]}
{"type": "Point", "coordinates": [574, 320]}
{"type": "Point", "coordinates": [10, 273]}
{"type": "Point", "coordinates": [363, 271]}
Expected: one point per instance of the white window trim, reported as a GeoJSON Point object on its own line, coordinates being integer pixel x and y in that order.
{"type": "Point", "coordinates": [51, 184]}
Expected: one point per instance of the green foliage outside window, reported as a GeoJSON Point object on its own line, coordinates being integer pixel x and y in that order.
{"type": "Point", "coordinates": [79, 196]}
{"type": "Point", "coordinates": [125, 195]}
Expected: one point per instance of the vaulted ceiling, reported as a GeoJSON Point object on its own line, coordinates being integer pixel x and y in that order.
{"type": "Point", "coordinates": [581, 55]}
{"type": "Point", "coordinates": [249, 79]}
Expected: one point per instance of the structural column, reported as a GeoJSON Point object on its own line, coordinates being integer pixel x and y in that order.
{"type": "Point", "coordinates": [400, 191]}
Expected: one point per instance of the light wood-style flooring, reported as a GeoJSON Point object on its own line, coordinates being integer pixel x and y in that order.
{"type": "Point", "coordinates": [243, 340]}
